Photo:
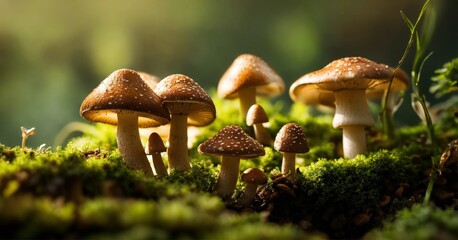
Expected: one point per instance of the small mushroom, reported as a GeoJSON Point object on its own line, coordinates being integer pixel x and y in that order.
{"type": "Point", "coordinates": [232, 144]}
{"type": "Point", "coordinates": [155, 147]}
{"type": "Point", "coordinates": [188, 104]}
{"type": "Point", "coordinates": [123, 99]}
{"type": "Point", "coordinates": [256, 116]}
{"type": "Point", "coordinates": [253, 177]}
{"type": "Point", "coordinates": [348, 78]}
{"type": "Point", "coordinates": [290, 140]}
{"type": "Point", "coordinates": [248, 76]}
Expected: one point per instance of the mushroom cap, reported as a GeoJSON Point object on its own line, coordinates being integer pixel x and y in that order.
{"type": "Point", "coordinates": [232, 141]}
{"type": "Point", "coordinates": [155, 144]}
{"type": "Point", "coordinates": [250, 71]}
{"type": "Point", "coordinates": [182, 95]}
{"type": "Point", "coordinates": [149, 79]}
{"type": "Point", "coordinates": [400, 83]}
{"type": "Point", "coordinates": [291, 138]}
{"type": "Point", "coordinates": [256, 114]}
{"type": "Point", "coordinates": [124, 92]}
{"type": "Point", "coordinates": [254, 176]}
{"type": "Point", "coordinates": [342, 74]}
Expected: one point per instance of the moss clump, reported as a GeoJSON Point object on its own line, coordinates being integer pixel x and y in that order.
{"type": "Point", "coordinates": [70, 171]}
{"type": "Point", "coordinates": [201, 177]}
{"type": "Point", "coordinates": [329, 195]}
{"type": "Point", "coordinates": [194, 216]}
{"type": "Point", "coordinates": [420, 222]}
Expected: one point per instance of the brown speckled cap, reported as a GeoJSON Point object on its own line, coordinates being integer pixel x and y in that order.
{"type": "Point", "coordinates": [254, 176]}
{"type": "Point", "coordinates": [155, 144]}
{"type": "Point", "coordinates": [400, 83]}
{"type": "Point", "coordinates": [232, 141]}
{"type": "Point", "coordinates": [182, 95]}
{"type": "Point", "coordinates": [250, 71]}
{"type": "Point", "coordinates": [342, 74]}
{"type": "Point", "coordinates": [122, 92]}
{"type": "Point", "coordinates": [291, 138]}
{"type": "Point", "coordinates": [150, 80]}
{"type": "Point", "coordinates": [256, 114]}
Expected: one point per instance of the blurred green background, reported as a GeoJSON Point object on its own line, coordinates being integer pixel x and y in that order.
{"type": "Point", "coordinates": [53, 52]}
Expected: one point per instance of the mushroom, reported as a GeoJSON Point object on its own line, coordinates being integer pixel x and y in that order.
{"type": "Point", "coordinates": [123, 99]}
{"type": "Point", "coordinates": [253, 177]}
{"type": "Point", "coordinates": [256, 116]}
{"type": "Point", "coordinates": [188, 104]}
{"type": "Point", "coordinates": [155, 147]}
{"type": "Point", "coordinates": [290, 140]}
{"type": "Point", "coordinates": [232, 144]}
{"type": "Point", "coordinates": [248, 76]}
{"type": "Point", "coordinates": [348, 78]}
{"type": "Point", "coordinates": [327, 99]}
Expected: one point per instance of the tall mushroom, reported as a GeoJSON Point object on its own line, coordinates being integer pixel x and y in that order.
{"type": "Point", "coordinates": [155, 147]}
{"type": "Point", "coordinates": [256, 116]}
{"type": "Point", "coordinates": [188, 104]}
{"type": "Point", "coordinates": [248, 76]}
{"type": "Point", "coordinates": [290, 140]}
{"type": "Point", "coordinates": [348, 78]}
{"type": "Point", "coordinates": [123, 99]}
{"type": "Point", "coordinates": [232, 144]}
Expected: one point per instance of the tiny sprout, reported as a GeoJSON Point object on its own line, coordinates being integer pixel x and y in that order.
{"type": "Point", "coordinates": [25, 134]}
{"type": "Point", "coordinates": [43, 149]}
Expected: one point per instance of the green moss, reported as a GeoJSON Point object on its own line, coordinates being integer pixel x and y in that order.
{"type": "Point", "coordinates": [201, 177]}
{"type": "Point", "coordinates": [331, 193]}
{"type": "Point", "coordinates": [420, 222]}
{"type": "Point", "coordinates": [196, 216]}
{"type": "Point", "coordinates": [29, 217]}
{"type": "Point", "coordinates": [357, 183]}
{"type": "Point", "coordinates": [98, 135]}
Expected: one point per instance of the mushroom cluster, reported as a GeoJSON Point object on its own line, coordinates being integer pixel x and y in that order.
{"type": "Point", "coordinates": [133, 100]}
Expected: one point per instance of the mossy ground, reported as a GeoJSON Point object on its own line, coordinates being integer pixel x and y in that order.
{"type": "Point", "coordinates": [84, 190]}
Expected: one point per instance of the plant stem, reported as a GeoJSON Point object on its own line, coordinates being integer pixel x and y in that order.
{"type": "Point", "coordinates": [417, 66]}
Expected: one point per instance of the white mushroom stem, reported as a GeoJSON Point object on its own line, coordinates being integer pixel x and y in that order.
{"type": "Point", "coordinates": [248, 196]}
{"type": "Point", "coordinates": [228, 176]}
{"type": "Point", "coordinates": [353, 116]}
{"type": "Point", "coordinates": [129, 144]}
{"type": "Point", "coordinates": [178, 143]}
{"type": "Point", "coordinates": [288, 165]}
{"type": "Point", "coordinates": [262, 135]}
{"type": "Point", "coordinates": [158, 164]}
{"type": "Point", "coordinates": [247, 98]}
{"type": "Point", "coordinates": [354, 141]}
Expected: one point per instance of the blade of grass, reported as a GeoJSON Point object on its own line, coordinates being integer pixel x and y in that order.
{"type": "Point", "coordinates": [417, 66]}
